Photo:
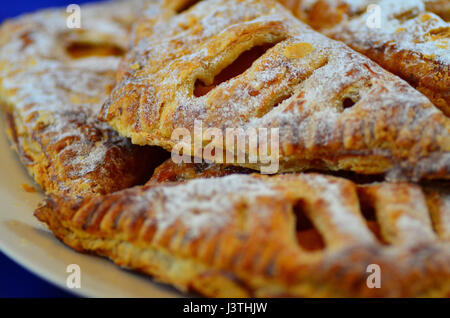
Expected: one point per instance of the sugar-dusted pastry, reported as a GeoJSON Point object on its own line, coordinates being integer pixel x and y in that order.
{"type": "Point", "coordinates": [307, 235]}
{"type": "Point", "coordinates": [53, 81]}
{"type": "Point", "coordinates": [400, 35]}
{"type": "Point", "coordinates": [250, 65]}
{"type": "Point", "coordinates": [325, 13]}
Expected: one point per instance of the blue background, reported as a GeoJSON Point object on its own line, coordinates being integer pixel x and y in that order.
{"type": "Point", "coordinates": [14, 280]}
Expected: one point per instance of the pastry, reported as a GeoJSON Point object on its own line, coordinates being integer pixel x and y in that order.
{"type": "Point", "coordinates": [213, 229]}
{"type": "Point", "coordinates": [375, 196]}
{"type": "Point", "coordinates": [306, 235]}
{"type": "Point", "coordinates": [171, 172]}
{"type": "Point", "coordinates": [404, 38]}
{"type": "Point", "coordinates": [53, 81]}
{"type": "Point", "coordinates": [334, 108]}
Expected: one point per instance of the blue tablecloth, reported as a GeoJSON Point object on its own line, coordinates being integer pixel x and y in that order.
{"type": "Point", "coordinates": [15, 281]}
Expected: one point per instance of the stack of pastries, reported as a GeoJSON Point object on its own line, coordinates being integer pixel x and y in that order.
{"type": "Point", "coordinates": [364, 148]}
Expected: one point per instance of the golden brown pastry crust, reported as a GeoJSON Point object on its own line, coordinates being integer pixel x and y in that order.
{"type": "Point", "coordinates": [391, 128]}
{"type": "Point", "coordinates": [327, 13]}
{"type": "Point", "coordinates": [410, 42]}
{"type": "Point", "coordinates": [234, 236]}
{"type": "Point", "coordinates": [243, 235]}
{"type": "Point", "coordinates": [53, 81]}
{"type": "Point", "coordinates": [170, 171]}
{"type": "Point", "coordinates": [439, 7]}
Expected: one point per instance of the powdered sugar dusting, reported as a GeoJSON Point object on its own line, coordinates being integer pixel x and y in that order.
{"type": "Point", "coordinates": [404, 213]}
{"type": "Point", "coordinates": [411, 228]}
{"type": "Point", "coordinates": [60, 96]}
{"type": "Point", "coordinates": [340, 212]}
{"type": "Point", "coordinates": [182, 48]}
{"type": "Point", "coordinates": [206, 204]}
{"type": "Point", "coordinates": [413, 33]}
{"type": "Point", "coordinates": [89, 162]}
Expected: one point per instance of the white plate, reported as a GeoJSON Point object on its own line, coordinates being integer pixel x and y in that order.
{"type": "Point", "coordinates": [24, 239]}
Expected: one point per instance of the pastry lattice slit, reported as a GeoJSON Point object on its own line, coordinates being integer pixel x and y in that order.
{"type": "Point", "coordinates": [185, 5]}
{"type": "Point", "coordinates": [308, 236]}
{"type": "Point", "coordinates": [239, 66]}
{"type": "Point", "coordinates": [369, 214]}
{"type": "Point", "coordinates": [82, 50]}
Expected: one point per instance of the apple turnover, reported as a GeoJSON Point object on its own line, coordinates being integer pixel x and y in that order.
{"type": "Point", "coordinates": [53, 81]}
{"type": "Point", "coordinates": [401, 35]}
{"type": "Point", "coordinates": [306, 235]}
{"type": "Point", "coordinates": [251, 64]}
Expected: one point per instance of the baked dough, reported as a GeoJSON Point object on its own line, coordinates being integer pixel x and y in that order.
{"type": "Point", "coordinates": [410, 42]}
{"type": "Point", "coordinates": [440, 7]}
{"type": "Point", "coordinates": [381, 195]}
{"type": "Point", "coordinates": [306, 235]}
{"type": "Point", "coordinates": [53, 81]}
{"type": "Point", "coordinates": [238, 235]}
{"type": "Point", "coordinates": [336, 110]}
